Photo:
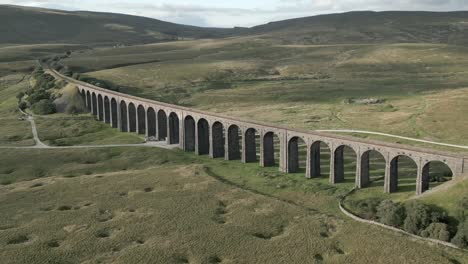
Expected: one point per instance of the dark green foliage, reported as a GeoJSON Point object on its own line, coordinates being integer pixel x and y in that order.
{"type": "Point", "coordinates": [419, 216]}
{"type": "Point", "coordinates": [44, 107]}
{"type": "Point", "coordinates": [36, 95]}
{"type": "Point", "coordinates": [437, 231]}
{"type": "Point", "coordinates": [367, 208]}
{"type": "Point", "coordinates": [22, 105]}
{"type": "Point", "coordinates": [390, 213]}
{"type": "Point", "coordinates": [461, 238]}
{"type": "Point", "coordinates": [462, 211]}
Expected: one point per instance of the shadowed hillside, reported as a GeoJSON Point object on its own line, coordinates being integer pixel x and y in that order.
{"type": "Point", "coordinates": [25, 25]}
{"type": "Point", "coordinates": [371, 27]}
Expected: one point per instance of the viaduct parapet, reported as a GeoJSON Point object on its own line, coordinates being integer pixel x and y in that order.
{"type": "Point", "coordinates": [232, 138]}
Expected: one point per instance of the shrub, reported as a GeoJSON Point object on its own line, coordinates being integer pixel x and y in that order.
{"type": "Point", "coordinates": [437, 231]}
{"type": "Point", "coordinates": [20, 96]}
{"type": "Point", "coordinates": [22, 105]}
{"type": "Point", "coordinates": [462, 211]}
{"type": "Point", "coordinates": [390, 213]}
{"type": "Point", "coordinates": [367, 208]}
{"type": "Point", "coordinates": [44, 107]}
{"type": "Point", "coordinates": [461, 238]}
{"type": "Point", "coordinates": [418, 217]}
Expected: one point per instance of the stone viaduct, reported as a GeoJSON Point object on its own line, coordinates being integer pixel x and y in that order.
{"type": "Point", "coordinates": [232, 138]}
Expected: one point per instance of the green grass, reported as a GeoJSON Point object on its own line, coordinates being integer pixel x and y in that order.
{"type": "Point", "coordinates": [63, 130]}
{"type": "Point", "coordinates": [15, 133]}
{"type": "Point", "coordinates": [165, 204]}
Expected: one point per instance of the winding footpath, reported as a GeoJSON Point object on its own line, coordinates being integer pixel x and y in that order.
{"type": "Point", "coordinates": [392, 136]}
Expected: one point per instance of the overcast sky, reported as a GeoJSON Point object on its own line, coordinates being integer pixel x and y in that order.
{"type": "Point", "coordinates": [215, 13]}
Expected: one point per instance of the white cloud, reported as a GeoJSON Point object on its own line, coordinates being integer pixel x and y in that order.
{"type": "Point", "coordinates": [241, 12]}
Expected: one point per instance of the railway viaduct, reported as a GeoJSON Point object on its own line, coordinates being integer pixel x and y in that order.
{"type": "Point", "coordinates": [231, 138]}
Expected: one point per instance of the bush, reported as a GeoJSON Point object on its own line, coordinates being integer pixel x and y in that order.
{"type": "Point", "coordinates": [390, 213]}
{"type": "Point", "coordinates": [437, 231]}
{"type": "Point", "coordinates": [462, 211]}
{"type": "Point", "coordinates": [418, 217]}
{"type": "Point", "coordinates": [44, 107]}
{"type": "Point", "coordinates": [461, 238]}
{"type": "Point", "coordinates": [37, 95]}
{"type": "Point", "coordinates": [22, 105]}
{"type": "Point", "coordinates": [367, 208]}
{"type": "Point", "coordinates": [20, 96]}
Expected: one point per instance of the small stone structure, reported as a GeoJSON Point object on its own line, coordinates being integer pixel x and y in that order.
{"type": "Point", "coordinates": [234, 139]}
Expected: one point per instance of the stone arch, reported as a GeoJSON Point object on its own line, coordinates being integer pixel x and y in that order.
{"type": "Point", "coordinates": [162, 125]}
{"type": "Point", "coordinates": [218, 137]}
{"type": "Point", "coordinates": [270, 153]}
{"type": "Point", "coordinates": [435, 173]}
{"type": "Point", "coordinates": [203, 129]}
{"type": "Point", "coordinates": [251, 145]}
{"type": "Point", "coordinates": [107, 110]}
{"type": "Point", "coordinates": [340, 160]}
{"type": "Point", "coordinates": [319, 159]}
{"type": "Point", "coordinates": [132, 118]}
{"type": "Point", "coordinates": [94, 104]}
{"type": "Point", "coordinates": [189, 133]}
{"type": "Point", "coordinates": [88, 101]}
{"type": "Point", "coordinates": [115, 115]}
{"type": "Point", "coordinates": [234, 145]}
{"type": "Point", "coordinates": [371, 160]}
{"type": "Point", "coordinates": [151, 117]}
{"type": "Point", "coordinates": [141, 114]}
{"type": "Point", "coordinates": [100, 103]}
{"type": "Point", "coordinates": [123, 117]}
{"type": "Point", "coordinates": [173, 128]}
{"type": "Point", "coordinates": [399, 179]}
{"type": "Point", "coordinates": [297, 148]}
{"type": "Point", "coordinates": [83, 96]}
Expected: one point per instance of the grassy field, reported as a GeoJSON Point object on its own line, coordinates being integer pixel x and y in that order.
{"type": "Point", "coordinates": [148, 213]}
{"type": "Point", "coordinates": [63, 130]}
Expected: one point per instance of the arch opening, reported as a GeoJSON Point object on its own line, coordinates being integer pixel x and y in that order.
{"type": "Point", "coordinates": [372, 169]}
{"type": "Point", "coordinates": [123, 117]}
{"type": "Point", "coordinates": [403, 174]}
{"type": "Point", "coordinates": [271, 149]}
{"type": "Point", "coordinates": [115, 121]}
{"type": "Point", "coordinates": [173, 129]}
{"type": "Point", "coordinates": [151, 116]}
{"type": "Point", "coordinates": [189, 133]}
{"type": "Point", "coordinates": [162, 125]}
{"type": "Point", "coordinates": [141, 114]}
{"type": "Point", "coordinates": [203, 129]}
{"type": "Point", "coordinates": [319, 159]}
{"type": "Point", "coordinates": [252, 145]}
{"type": "Point", "coordinates": [100, 103]}
{"type": "Point", "coordinates": [132, 123]}
{"type": "Point", "coordinates": [435, 173]}
{"type": "Point", "coordinates": [107, 110]}
{"type": "Point", "coordinates": [218, 140]}
{"type": "Point", "coordinates": [234, 143]}
{"type": "Point", "coordinates": [297, 153]}
{"type": "Point", "coordinates": [88, 101]}
{"type": "Point", "coordinates": [94, 104]}
{"type": "Point", "coordinates": [83, 96]}
{"type": "Point", "coordinates": [344, 164]}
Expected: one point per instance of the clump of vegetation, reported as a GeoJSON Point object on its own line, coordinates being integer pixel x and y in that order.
{"type": "Point", "coordinates": [100, 83]}
{"type": "Point", "coordinates": [417, 218]}
{"type": "Point", "coordinates": [39, 97]}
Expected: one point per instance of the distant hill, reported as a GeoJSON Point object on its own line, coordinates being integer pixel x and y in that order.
{"type": "Point", "coordinates": [370, 27]}
{"type": "Point", "coordinates": [27, 25]}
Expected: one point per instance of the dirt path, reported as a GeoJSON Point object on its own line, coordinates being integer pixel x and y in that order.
{"type": "Point", "coordinates": [393, 136]}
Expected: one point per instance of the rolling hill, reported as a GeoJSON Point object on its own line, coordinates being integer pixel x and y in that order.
{"type": "Point", "coordinates": [26, 25]}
